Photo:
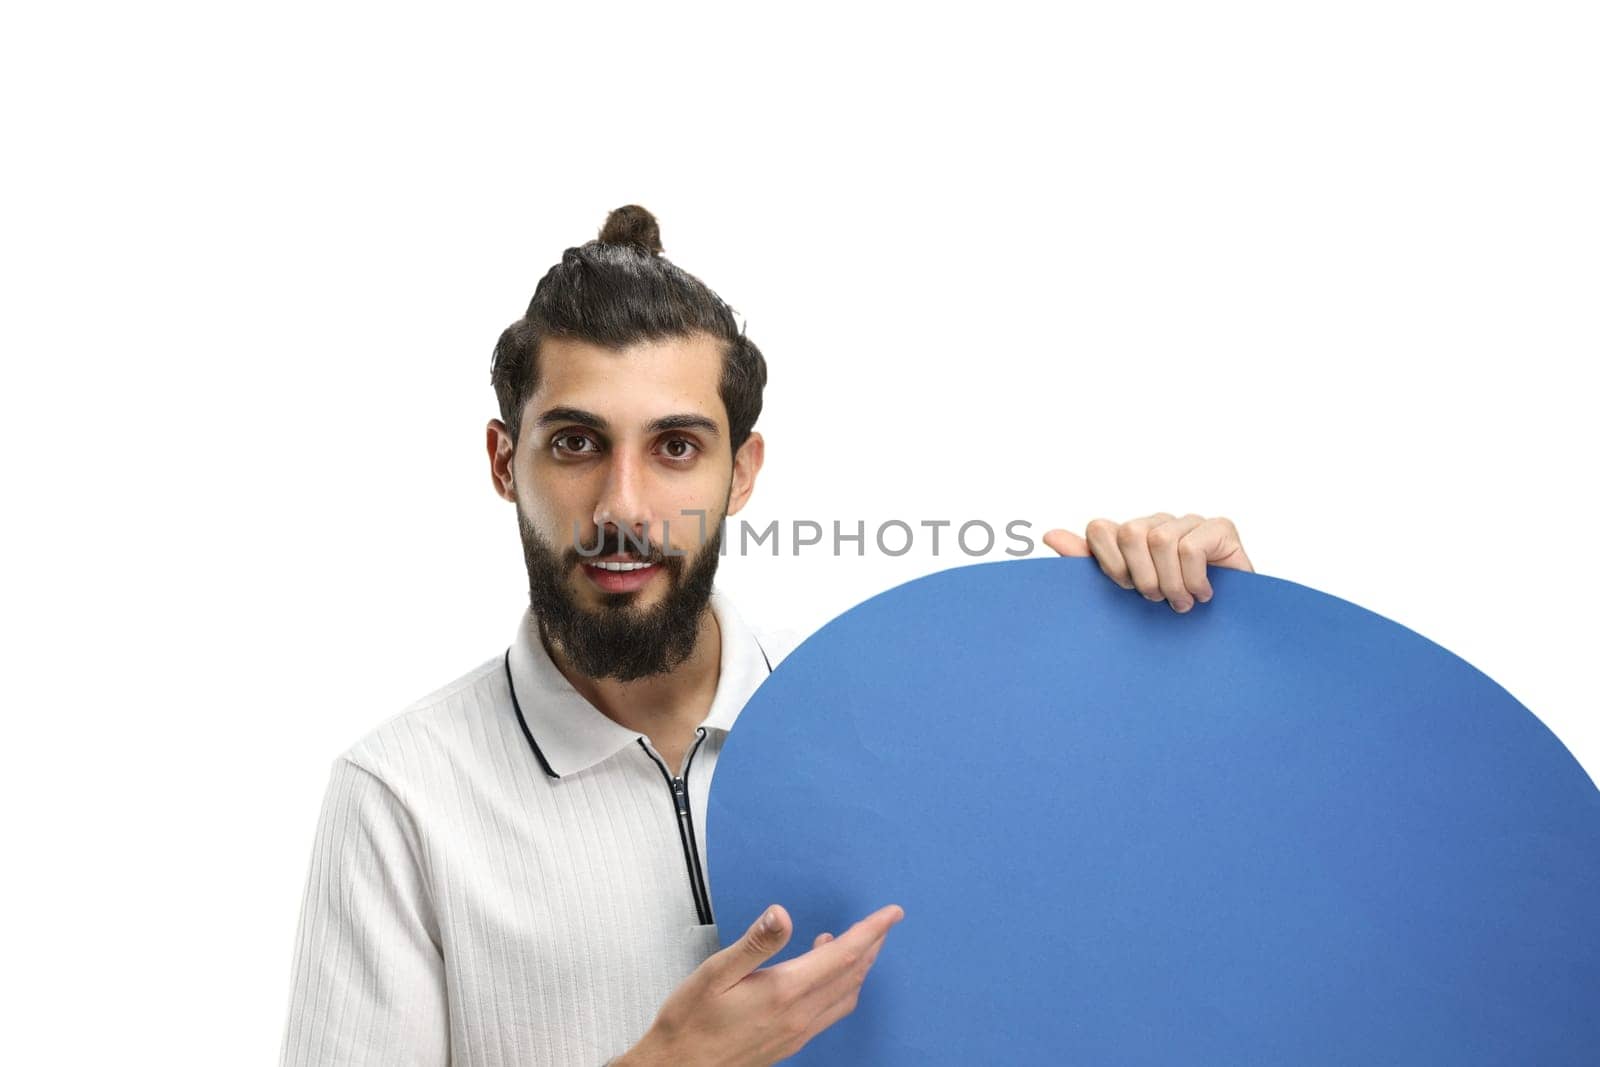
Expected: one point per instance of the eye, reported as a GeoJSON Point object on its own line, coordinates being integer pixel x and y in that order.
{"type": "Point", "coordinates": [567, 438]}
{"type": "Point", "coordinates": [680, 455]}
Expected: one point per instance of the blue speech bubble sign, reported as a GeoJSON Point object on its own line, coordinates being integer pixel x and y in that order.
{"type": "Point", "coordinates": [1279, 829]}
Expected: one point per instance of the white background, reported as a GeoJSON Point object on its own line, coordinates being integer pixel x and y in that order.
{"type": "Point", "coordinates": [1330, 273]}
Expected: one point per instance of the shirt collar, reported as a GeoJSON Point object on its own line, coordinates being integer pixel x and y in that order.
{"type": "Point", "coordinates": [568, 734]}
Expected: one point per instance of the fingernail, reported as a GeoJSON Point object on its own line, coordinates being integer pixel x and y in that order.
{"type": "Point", "coordinates": [1205, 598]}
{"type": "Point", "coordinates": [1182, 606]}
{"type": "Point", "coordinates": [769, 921]}
{"type": "Point", "coordinates": [1152, 597]}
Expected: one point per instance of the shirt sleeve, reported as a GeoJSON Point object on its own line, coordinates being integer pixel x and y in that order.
{"type": "Point", "coordinates": [368, 978]}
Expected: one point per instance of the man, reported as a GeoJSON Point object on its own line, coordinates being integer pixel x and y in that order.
{"type": "Point", "coordinates": [509, 871]}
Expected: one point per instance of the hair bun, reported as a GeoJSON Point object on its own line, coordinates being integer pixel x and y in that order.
{"type": "Point", "coordinates": [632, 225]}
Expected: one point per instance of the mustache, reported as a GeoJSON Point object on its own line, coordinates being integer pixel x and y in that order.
{"type": "Point", "coordinates": [613, 543]}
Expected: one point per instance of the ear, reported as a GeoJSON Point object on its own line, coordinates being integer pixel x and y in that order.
{"type": "Point", "coordinates": [746, 465]}
{"type": "Point", "coordinates": [502, 458]}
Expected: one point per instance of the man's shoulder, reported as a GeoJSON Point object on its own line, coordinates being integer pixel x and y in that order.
{"type": "Point", "coordinates": [443, 725]}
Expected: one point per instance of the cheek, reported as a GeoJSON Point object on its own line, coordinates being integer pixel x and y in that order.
{"type": "Point", "coordinates": [554, 510]}
{"type": "Point", "coordinates": [687, 512]}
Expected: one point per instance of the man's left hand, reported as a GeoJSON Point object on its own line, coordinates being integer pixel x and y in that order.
{"type": "Point", "coordinates": [1163, 557]}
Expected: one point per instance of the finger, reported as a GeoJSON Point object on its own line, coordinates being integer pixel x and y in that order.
{"type": "Point", "coordinates": [1163, 543]}
{"type": "Point", "coordinates": [1066, 543]}
{"type": "Point", "coordinates": [826, 962]}
{"type": "Point", "coordinates": [765, 937]}
{"type": "Point", "coordinates": [1214, 543]}
{"type": "Point", "coordinates": [1133, 541]}
{"type": "Point", "coordinates": [842, 986]}
{"type": "Point", "coordinates": [1222, 545]}
{"type": "Point", "coordinates": [1192, 559]}
{"type": "Point", "coordinates": [822, 939]}
{"type": "Point", "coordinates": [1102, 540]}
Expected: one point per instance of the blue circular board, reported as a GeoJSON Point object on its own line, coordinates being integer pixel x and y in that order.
{"type": "Point", "coordinates": [1279, 829]}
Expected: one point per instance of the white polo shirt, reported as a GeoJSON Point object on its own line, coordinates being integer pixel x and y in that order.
{"type": "Point", "coordinates": [502, 875]}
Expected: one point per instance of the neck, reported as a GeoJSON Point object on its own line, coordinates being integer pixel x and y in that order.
{"type": "Point", "coordinates": [665, 705]}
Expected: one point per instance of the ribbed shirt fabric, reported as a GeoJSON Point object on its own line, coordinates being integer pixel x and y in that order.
{"type": "Point", "coordinates": [489, 889]}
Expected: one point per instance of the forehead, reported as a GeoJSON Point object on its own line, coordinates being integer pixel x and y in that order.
{"type": "Point", "coordinates": [631, 385]}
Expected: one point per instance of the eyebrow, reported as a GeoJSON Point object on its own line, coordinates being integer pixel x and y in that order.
{"type": "Point", "coordinates": [684, 421]}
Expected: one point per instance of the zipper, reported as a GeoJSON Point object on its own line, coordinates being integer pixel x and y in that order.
{"type": "Point", "coordinates": [680, 803]}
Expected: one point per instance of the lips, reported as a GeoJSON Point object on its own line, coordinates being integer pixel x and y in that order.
{"type": "Point", "coordinates": [627, 578]}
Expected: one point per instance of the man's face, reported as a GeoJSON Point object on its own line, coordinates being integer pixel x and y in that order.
{"type": "Point", "coordinates": [619, 450]}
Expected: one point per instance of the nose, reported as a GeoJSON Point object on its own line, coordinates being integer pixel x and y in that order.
{"type": "Point", "coordinates": [622, 501]}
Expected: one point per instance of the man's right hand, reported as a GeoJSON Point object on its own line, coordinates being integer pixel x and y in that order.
{"type": "Point", "coordinates": [729, 1014]}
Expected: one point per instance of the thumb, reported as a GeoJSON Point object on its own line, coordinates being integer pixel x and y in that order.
{"type": "Point", "coordinates": [1066, 543]}
{"type": "Point", "coordinates": [765, 938]}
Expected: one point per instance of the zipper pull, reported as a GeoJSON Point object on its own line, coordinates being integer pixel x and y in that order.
{"type": "Point", "coordinates": [681, 795]}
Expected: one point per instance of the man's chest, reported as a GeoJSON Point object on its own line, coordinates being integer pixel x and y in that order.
{"type": "Point", "coordinates": [546, 889]}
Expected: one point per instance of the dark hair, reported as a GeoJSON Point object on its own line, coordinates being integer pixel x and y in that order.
{"type": "Point", "coordinates": [614, 292]}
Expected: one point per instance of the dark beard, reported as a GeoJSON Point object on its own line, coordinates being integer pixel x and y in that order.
{"type": "Point", "coordinates": [619, 641]}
